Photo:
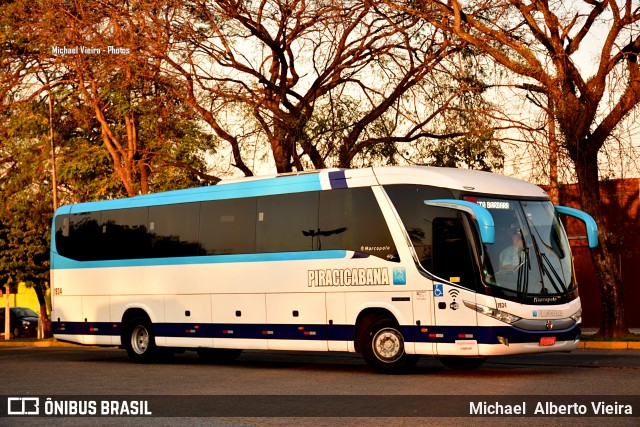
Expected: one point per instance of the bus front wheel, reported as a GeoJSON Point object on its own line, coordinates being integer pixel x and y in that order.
{"type": "Point", "coordinates": [383, 347]}
{"type": "Point", "coordinates": [140, 341]}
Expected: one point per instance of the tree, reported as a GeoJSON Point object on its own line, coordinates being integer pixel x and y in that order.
{"type": "Point", "coordinates": [254, 72]}
{"type": "Point", "coordinates": [538, 40]}
{"type": "Point", "coordinates": [24, 256]}
{"type": "Point", "coordinates": [458, 132]}
{"type": "Point", "coordinates": [469, 134]}
{"type": "Point", "coordinates": [90, 52]}
{"type": "Point", "coordinates": [25, 206]}
{"type": "Point", "coordinates": [47, 94]}
{"type": "Point", "coordinates": [259, 71]}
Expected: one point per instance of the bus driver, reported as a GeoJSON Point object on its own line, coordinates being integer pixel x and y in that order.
{"type": "Point", "coordinates": [512, 257]}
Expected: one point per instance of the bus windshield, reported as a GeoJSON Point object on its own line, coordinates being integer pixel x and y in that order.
{"type": "Point", "coordinates": [531, 255]}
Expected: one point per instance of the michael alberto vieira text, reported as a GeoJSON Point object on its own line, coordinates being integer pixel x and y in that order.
{"type": "Point", "coordinates": [550, 408]}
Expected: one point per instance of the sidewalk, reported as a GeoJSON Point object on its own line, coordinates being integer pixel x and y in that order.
{"type": "Point", "coordinates": [37, 343]}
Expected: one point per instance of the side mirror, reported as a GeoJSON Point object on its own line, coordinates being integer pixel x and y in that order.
{"type": "Point", "coordinates": [589, 222]}
{"type": "Point", "coordinates": [481, 215]}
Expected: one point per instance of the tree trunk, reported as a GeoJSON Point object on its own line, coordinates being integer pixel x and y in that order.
{"type": "Point", "coordinates": [44, 323]}
{"type": "Point", "coordinates": [613, 322]}
{"type": "Point", "coordinates": [554, 185]}
{"type": "Point", "coordinates": [281, 153]}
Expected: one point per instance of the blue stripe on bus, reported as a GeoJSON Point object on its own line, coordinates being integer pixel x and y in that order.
{"type": "Point", "coordinates": [221, 330]}
{"type": "Point", "coordinates": [59, 262]}
{"type": "Point", "coordinates": [435, 334]}
{"type": "Point", "coordinates": [235, 190]}
{"type": "Point", "coordinates": [86, 328]}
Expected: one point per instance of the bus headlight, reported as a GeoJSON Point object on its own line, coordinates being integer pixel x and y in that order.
{"type": "Point", "coordinates": [500, 315]}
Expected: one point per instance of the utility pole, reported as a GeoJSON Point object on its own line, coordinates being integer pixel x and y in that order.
{"type": "Point", "coordinates": [7, 316]}
{"type": "Point", "coordinates": [54, 178]}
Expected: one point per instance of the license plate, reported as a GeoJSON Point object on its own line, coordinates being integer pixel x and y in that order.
{"type": "Point", "coordinates": [547, 341]}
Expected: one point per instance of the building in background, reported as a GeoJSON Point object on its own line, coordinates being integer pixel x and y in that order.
{"type": "Point", "coordinates": [621, 203]}
{"type": "Point", "coordinates": [25, 297]}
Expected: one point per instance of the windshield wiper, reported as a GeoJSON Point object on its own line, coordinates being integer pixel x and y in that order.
{"type": "Point", "coordinates": [522, 284]}
{"type": "Point", "coordinates": [549, 267]}
{"type": "Point", "coordinates": [545, 265]}
{"type": "Point", "coordinates": [536, 248]}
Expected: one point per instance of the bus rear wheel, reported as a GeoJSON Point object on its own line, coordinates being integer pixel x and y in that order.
{"type": "Point", "coordinates": [383, 347]}
{"type": "Point", "coordinates": [140, 341]}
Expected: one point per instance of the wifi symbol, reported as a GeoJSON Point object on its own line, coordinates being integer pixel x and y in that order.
{"type": "Point", "coordinates": [454, 293]}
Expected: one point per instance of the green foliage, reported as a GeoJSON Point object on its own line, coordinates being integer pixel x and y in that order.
{"type": "Point", "coordinates": [331, 124]}
{"type": "Point", "coordinates": [470, 151]}
{"type": "Point", "coordinates": [470, 139]}
{"type": "Point", "coordinates": [24, 239]}
{"type": "Point", "coordinates": [25, 201]}
{"type": "Point", "coordinates": [155, 140]}
{"type": "Point", "coordinates": [175, 146]}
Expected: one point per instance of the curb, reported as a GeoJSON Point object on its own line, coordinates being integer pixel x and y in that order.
{"type": "Point", "coordinates": [54, 343]}
{"type": "Point", "coordinates": [609, 345]}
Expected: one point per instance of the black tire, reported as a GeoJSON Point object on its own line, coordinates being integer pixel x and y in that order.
{"type": "Point", "coordinates": [139, 340]}
{"type": "Point", "coordinates": [16, 332]}
{"type": "Point", "coordinates": [462, 363]}
{"type": "Point", "coordinates": [383, 347]}
{"type": "Point", "coordinates": [218, 354]}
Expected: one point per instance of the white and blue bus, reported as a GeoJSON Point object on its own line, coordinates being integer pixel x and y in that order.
{"type": "Point", "coordinates": [391, 262]}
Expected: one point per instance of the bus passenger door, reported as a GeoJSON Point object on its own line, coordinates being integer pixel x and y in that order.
{"type": "Point", "coordinates": [456, 324]}
{"type": "Point", "coordinates": [453, 261]}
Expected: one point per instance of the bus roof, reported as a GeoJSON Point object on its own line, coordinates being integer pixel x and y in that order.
{"type": "Point", "coordinates": [458, 179]}
{"type": "Point", "coordinates": [471, 181]}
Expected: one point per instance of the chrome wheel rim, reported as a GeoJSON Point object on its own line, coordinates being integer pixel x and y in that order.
{"type": "Point", "coordinates": [140, 339]}
{"type": "Point", "coordinates": [388, 345]}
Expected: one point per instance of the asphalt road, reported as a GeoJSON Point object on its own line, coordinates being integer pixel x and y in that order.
{"type": "Point", "coordinates": [278, 388]}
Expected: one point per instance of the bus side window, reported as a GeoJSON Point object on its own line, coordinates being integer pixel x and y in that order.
{"type": "Point", "coordinates": [78, 236]}
{"type": "Point", "coordinates": [284, 221]}
{"type": "Point", "coordinates": [452, 258]}
{"type": "Point", "coordinates": [228, 227]}
{"type": "Point", "coordinates": [408, 200]}
{"type": "Point", "coordinates": [351, 219]}
{"type": "Point", "coordinates": [173, 230]}
{"type": "Point", "coordinates": [124, 234]}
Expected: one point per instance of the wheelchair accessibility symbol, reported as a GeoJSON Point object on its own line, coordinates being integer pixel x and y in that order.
{"type": "Point", "coordinates": [438, 290]}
